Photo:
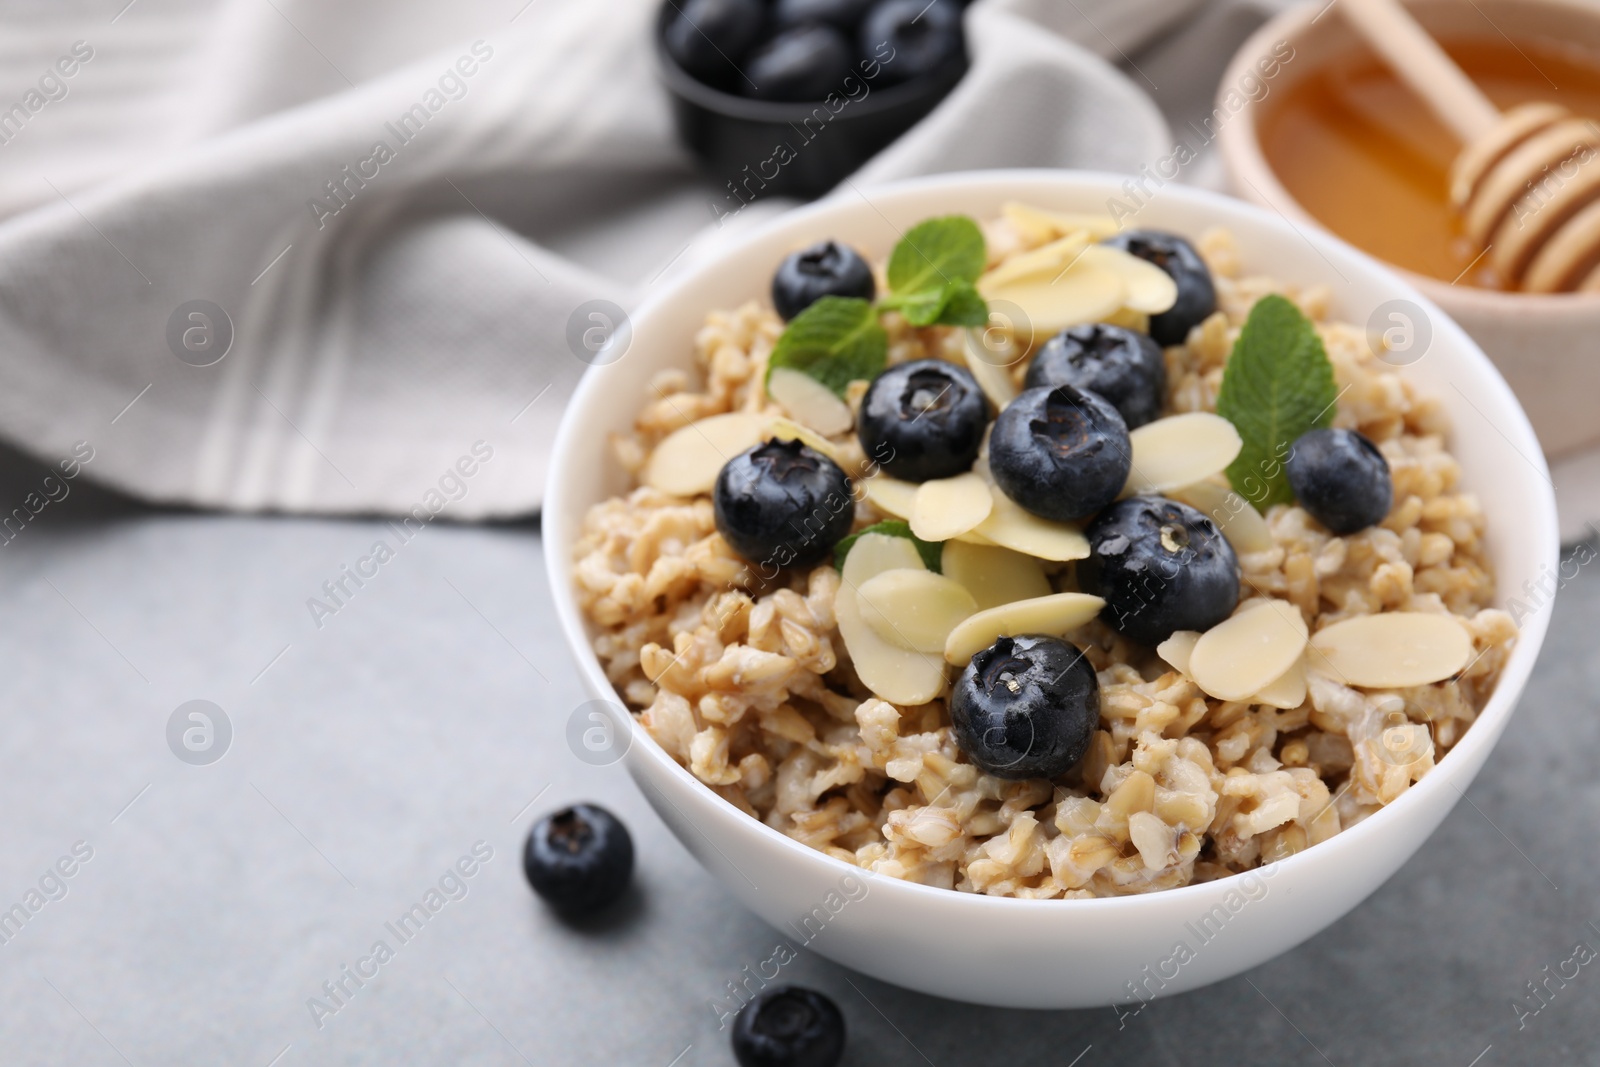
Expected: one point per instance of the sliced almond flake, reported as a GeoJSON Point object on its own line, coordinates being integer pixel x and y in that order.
{"type": "Point", "coordinates": [1150, 289]}
{"type": "Point", "coordinates": [1288, 691]}
{"type": "Point", "coordinates": [897, 675]}
{"type": "Point", "coordinates": [1393, 650]}
{"type": "Point", "coordinates": [1176, 650]}
{"type": "Point", "coordinates": [809, 401]}
{"type": "Point", "coordinates": [1039, 224]}
{"type": "Point", "coordinates": [1245, 528]}
{"type": "Point", "coordinates": [872, 554]}
{"type": "Point", "coordinates": [688, 460]}
{"type": "Point", "coordinates": [1011, 526]}
{"type": "Point", "coordinates": [1078, 294]}
{"type": "Point", "coordinates": [1138, 321]}
{"type": "Point", "coordinates": [1180, 450]}
{"type": "Point", "coordinates": [994, 380]}
{"type": "Point", "coordinates": [1044, 262]}
{"type": "Point", "coordinates": [1055, 615]}
{"type": "Point", "coordinates": [890, 495]}
{"type": "Point", "coordinates": [946, 507]}
{"type": "Point", "coordinates": [914, 609]}
{"type": "Point", "coordinates": [789, 430]}
{"type": "Point", "coordinates": [1239, 657]}
{"type": "Point", "coordinates": [994, 575]}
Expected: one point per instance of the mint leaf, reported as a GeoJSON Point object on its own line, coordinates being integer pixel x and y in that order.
{"type": "Point", "coordinates": [930, 551]}
{"type": "Point", "coordinates": [836, 340]}
{"type": "Point", "coordinates": [1277, 385]}
{"type": "Point", "coordinates": [919, 309]}
{"type": "Point", "coordinates": [936, 252]}
{"type": "Point", "coordinates": [963, 306]}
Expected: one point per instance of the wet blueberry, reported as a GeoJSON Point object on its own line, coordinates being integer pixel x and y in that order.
{"type": "Point", "coordinates": [579, 859]}
{"type": "Point", "coordinates": [788, 1026]}
{"type": "Point", "coordinates": [1197, 296]}
{"type": "Point", "coordinates": [800, 64]}
{"type": "Point", "coordinates": [708, 37]}
{"type": "Point", "coordinates": [825, 269]}
{"type": "Point", "coordinates": [1341, 478]}
{"type": "Point", "coordinates": [843, 15]}
{"type": "Point", "coordinates": [1122, 365]}
{"type": "Point", "coordinates": [1161, 566]}
{"type": "Point", "coordinates": [912, 37]}
{"type": "Point", "coordinates": [923, 420]}
{"type": "Point", "coordinates": [781, 504]}
{"type": "Point", "coordinates": [1025, 707]}
{"type": "Point", "coordinates": [1061, 452]}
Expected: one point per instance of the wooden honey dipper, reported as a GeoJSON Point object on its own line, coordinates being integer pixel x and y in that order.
{"type": "Point", "coordinates": [1527, 181]}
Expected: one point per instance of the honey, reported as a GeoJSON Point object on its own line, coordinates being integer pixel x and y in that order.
{"type": "Point", "coordinates": [1365, 157]}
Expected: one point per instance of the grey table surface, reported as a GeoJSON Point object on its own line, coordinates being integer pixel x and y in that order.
{"type": "Point", "coordinates": [427, 717]}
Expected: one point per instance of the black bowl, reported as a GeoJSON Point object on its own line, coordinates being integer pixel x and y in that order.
{"type": "Point", "coordinates": [758, 148]}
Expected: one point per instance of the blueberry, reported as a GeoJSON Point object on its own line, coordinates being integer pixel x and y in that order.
{"type": "Point", "coordinates": [912, 37]}
{"type": "Point", "coordinates": [1026, 707]}
{"type": "Point", "coordinates": [782, 504]}
{"type": "Point", "coordinates": [1161, 566]}
{"type": "Point", "coordinates": [1061, 452]}
{"type": "Point", "coordinates": [923, 420]}
{"type": "Point", "coordinates": [1197, 296]}
{"type": "Point", "coordinates": [800, 64]}
{"type": "Point", "coordinates": [844, 15]}
{"type": "Point", "coordinates": [579, 859]}
{"type": "Point", "coordinates": [1341, 478]}
{"type": "Point", "coordinates": [825, 269]}
{"type": "Point", "coordinates": [1124, 366]}
{"type": "Point", "coordinates": [788, 1026]}
{"type": "Point", "coordinates": [709, 37]}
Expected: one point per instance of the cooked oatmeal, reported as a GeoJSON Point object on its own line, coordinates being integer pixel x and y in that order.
{"type": "Point", "coordinates": [744, 679]}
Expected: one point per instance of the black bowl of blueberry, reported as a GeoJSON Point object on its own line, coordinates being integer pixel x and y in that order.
{"type": "Point", "coordinates": [787, 97]}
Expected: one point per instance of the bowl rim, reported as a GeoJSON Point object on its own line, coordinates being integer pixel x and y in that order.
{"type": "Point", "coordinates": [1485, 729]}
{"type": "Point", "coordinates": [1240, 149]}
{"type": "Point", "coordinates": [681, 83]}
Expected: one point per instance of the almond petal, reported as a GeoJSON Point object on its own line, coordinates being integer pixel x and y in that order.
{"type": "Point", "coordinates": [897, 675]}
{"type": "Point", "coordinates": [890, 495]}
{"type": "Point", "coordinates": [1150, 289]}
{"type": "Point", "coordinates": [993, 379]}
{"type": "Point", "coordinates": [1081, 293]}
{"type": "Point", "coordinates": [789, 430]}
{"type": "Point", "coordinates": [1041, 224]}
{"type": "Point", "coordinates": [1045, 262]}
{"type": "Point", "coordinates": [1394, 650]}
{"type": "Point", "coordinates": [1055, 615]}
{"type": "Point", "coordinates": [994, 575]}
{"type": "Point", "coordinates": [914, 609]}
{"type": "Point", "coordinates": [945, 507]}
{"type": "Point", "coordinates": [1239, 657]}
{"type": "Point", "coordinates": [1177, 649]}
{"type": "Point", "coordinates": [688, 460]}
{"type": "Point", "coordinates": [872, 554]}
{"type": "Point", "coordinates": [1011, 526]}
{"type": "Point", "coordinates": [1288, 691]}
{"type": "Point", "coordinates": [1245, 528]}
{"type": "Point", "coordinates": [809, 401]}
{"type": "Point", "coordinates": [1180, 450]}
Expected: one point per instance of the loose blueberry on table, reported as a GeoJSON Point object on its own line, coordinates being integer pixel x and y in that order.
{"type": "Point", "coordinates": [1124, 366]}
{"type": "Point", "coordinates": [1062, 453]}
{"type": "Point", "coordinates": [923, 420]}
{"type": "Point", "coordinates": [1341, 478]}
{"type": "Point", "coordinates": [1160, 566]}
{"type": "Point", "coordinates": [924, 37]}
{"type": "Point", "coordinates": [579, 859]}
{"type": "Point", "coordinates": [789, 1026]}
{"type": "Point", "coordinates": [1197, 294]}
{"type": "Point", "coordinates": [825, 269]}
{"type": "Point", "coordinates": [1026, 707]}
{"type": "Point", "coordinates": [802, 63]}
{"type": "Point", "coordinates": [708, 36]}
{"type": "Point", "coordinates": [782, 503]}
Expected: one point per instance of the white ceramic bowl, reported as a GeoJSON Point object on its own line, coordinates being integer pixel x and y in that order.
{"type": "Point", "coordinates": [1060, 953]}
